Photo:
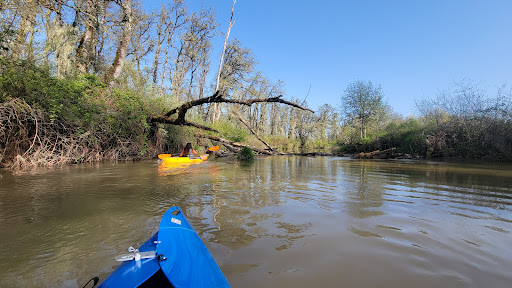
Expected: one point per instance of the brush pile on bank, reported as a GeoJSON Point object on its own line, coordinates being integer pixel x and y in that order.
{"type": "Point", "coordinates": [46, 120]}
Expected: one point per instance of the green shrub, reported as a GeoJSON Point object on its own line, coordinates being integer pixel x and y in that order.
{"type": "Point", "coordinates": [119, 115]}
{"type": "Point", "coordinates": [68, 99]}
{"type": "Point", "coordinates": [245, 154]}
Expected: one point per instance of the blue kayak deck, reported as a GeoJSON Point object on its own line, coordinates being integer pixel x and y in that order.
{"type": "Point", "coordinates": [134, 273]}
{"type": "Point", "coordinates": [182, 258]}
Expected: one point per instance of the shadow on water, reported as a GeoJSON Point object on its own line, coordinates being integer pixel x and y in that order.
{"type": "Point", "coordinates": [277, 222]}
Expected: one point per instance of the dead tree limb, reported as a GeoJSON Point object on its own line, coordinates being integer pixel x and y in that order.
{"type": "Point", "coordinates": [175, 121]}
{"type": "Point", "coordinates": [252, 130]}
{"type": "Point", "coordinates": [216, 108]}
{"type": "Point", "coordinates": [233, 144]}
{"type": "Point", "coordinates": [215, 98]}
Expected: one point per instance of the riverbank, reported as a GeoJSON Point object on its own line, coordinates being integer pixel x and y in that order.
{"type": "Point", "coordinates": [47, 120]}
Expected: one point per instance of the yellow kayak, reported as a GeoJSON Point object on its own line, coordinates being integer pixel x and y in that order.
{"type": "Point", "coordinates": [183, 160]}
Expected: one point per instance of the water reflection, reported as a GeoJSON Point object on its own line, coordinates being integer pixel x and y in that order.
{"type": "Point", "coordinates": [278, 222]}
{"type": "Point", "coordinates": [364, 189]}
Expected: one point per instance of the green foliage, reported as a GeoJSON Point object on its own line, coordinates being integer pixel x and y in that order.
{"type": "Point", "coordinates": [362, 102]}
{"type": "Point", "coordinates": [120, 115]}
{"type": "Point", "coordinates": [231, 131]}
{"type": "Point", "coordinates": [126, 114]}
{"type": "Point", "coordinates": [475, 138]}
{"type": "Point", "coordinates": [6, 35]}
{"type": "Point", "coordinates": [67, 99]}
{"type": "Point", "coordinates": [282, 143]}
{"type": "Point", "coordinates": [245, 154]}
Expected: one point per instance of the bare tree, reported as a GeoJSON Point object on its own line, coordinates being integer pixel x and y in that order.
{"type": "Point", "coordinates": [215, 98]}
{"type": "Point", "coordinates": [171, 17]}
{"type": "Point", "coordinates": [195, 42]}
{"type": "Point", "coordinates": [179, 19]}
{"type": "Point", "coordinates": [216, 108]}
{"type": "Point", "coordinates": [142, 42]}
{"type": "Point", "coordinates": [161, 30]}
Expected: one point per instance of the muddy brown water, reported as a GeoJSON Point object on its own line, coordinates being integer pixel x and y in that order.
{"type": "Point", "coordinates": [279, 222]}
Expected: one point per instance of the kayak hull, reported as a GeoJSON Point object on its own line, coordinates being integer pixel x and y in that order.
{"type": "Point", "coordinates": [184, 160]}
{"type": "Point", "coordinates": [181, 260]}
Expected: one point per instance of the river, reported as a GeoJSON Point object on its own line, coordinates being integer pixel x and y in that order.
{"type": "Point", "coordinates": [278, 222]}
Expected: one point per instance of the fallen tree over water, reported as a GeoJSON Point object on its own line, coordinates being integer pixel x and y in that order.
{"type": "Point", "coordinates": [234, 146]}
{"type": "Point", "coordinates": [215, 98]}
{"type": "Point", "coordinates": [181, 111]}
{"type": "Point", "coordinates": [377, 154]}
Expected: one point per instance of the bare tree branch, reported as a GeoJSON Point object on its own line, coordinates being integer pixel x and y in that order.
{"type": "Point", "coordinates": [215, 98]}
{"type": "Point", "coordinates": [174, 121]}
{"type": "Point", "coordinates": [252, 130]}
{"type": "Point", "coordinates": [228, 143]}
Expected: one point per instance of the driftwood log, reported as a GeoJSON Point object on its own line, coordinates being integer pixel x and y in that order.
{"type": "Point", "coordinates": [377, 154]}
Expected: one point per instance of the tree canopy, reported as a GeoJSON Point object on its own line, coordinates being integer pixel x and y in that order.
{"type": "Point", "coordinates": [362, 102]}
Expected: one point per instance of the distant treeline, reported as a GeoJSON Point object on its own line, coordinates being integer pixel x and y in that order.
{"type": "Point", "coordinates": [462, 122]}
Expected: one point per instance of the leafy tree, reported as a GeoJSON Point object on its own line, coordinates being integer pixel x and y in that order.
{"type": "Point", "coordinates": [362, 102]}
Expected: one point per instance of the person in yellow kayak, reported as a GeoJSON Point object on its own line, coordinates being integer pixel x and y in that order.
{"type": "Point", "coordinates": [188, 151]}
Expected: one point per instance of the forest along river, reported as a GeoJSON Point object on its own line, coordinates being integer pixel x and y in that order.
{"type": "Point", "coordinates": [279, 222]}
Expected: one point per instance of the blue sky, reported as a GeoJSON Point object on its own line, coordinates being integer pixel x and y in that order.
{"type": "Point", "coordinates": [411, 48]}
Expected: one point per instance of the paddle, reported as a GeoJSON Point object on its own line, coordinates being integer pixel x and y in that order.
{"type": "Point", "coordinates": [162, 156]}
{"type": "Point", "coordinates": [214, 148]}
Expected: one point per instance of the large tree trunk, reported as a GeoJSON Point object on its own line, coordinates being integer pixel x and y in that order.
{"type": "Point", "coordinates": [27, 24]}
{"type": "Point", "coordinates": [86, 51]}
{"type": "Point", "coordinates": [124, 40]}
